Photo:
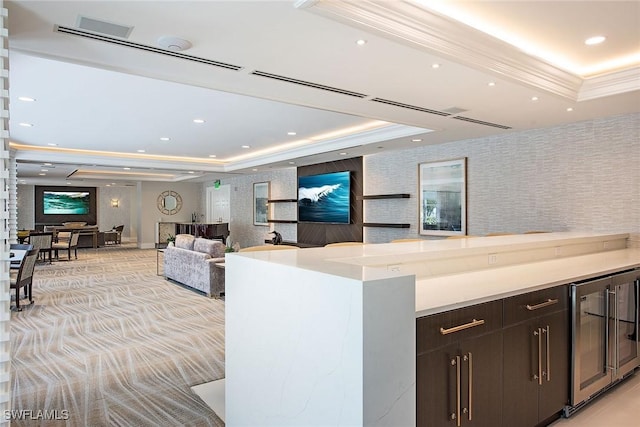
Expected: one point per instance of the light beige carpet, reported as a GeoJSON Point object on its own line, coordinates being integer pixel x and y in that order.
{"type": "Point", "coordinates": [112, 343]}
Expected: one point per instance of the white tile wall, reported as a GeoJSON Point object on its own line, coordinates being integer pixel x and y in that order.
{"type": "Point", "coordinates": [584, 176]}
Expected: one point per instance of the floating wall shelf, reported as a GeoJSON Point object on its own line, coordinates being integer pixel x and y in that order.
{"type": "Point", "coordinates": [385, 196]}
{"type": "Point", "coordinates": [281, 200]}
{"type": "Point", "coordinates": [385, 225]}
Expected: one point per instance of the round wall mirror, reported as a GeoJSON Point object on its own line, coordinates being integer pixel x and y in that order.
{"type": "Point", "coordinates": [169, 202]}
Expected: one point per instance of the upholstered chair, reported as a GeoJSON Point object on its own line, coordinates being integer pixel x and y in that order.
{"type": "Point", "coordinates": [66, 244]}
{"type": "Point", "coordinates": [23, 277]}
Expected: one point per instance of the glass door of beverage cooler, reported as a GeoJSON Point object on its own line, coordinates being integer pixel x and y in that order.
{"type": "Point", "coordinates": [624, 324]}
{"type": "Point", "coordinates": [591, 329]}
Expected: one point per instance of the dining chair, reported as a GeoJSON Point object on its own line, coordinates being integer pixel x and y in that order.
{"type": "Point", "coordinates": [67, 243]}
{"type": "Point", "coordinates": [23, 277]}
{"type": "Point", "coordinates": [119, 229]}
{"type": "Point", "coordinates": [43, 242]}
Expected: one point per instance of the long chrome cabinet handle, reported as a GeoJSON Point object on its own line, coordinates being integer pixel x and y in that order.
{"type": "Point", "coordinates": [470, 385]}
{"type": "Point", "coordinates": [547, 303]}
{"type": "Point", "coordinates": [459, 328]}
{"type": "Point", "coordinates": [538, 333]}
{"type": "Point", "coordinates": [548, 332]}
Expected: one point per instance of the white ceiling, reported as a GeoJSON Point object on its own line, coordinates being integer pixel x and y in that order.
{"type": "Point", "coordinates": [100, 102]}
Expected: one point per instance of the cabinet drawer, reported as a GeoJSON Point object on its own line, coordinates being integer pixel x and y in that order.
{"type": "Point", "coordinates": [445, 328]}
{"type": "Point", "coordinates": [535, 304]}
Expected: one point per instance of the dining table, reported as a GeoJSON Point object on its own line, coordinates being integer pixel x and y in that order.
{"type": "Point", "coordinates": [16, 256]}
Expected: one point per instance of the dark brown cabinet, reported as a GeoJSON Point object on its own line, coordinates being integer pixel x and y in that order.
{"type": "Point", "coordinates": [459, 367]}
{"type": "Point", "coordinates": [536, 357]}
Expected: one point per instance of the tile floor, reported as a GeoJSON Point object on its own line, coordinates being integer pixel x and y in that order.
{"type": "Point", "coordinates": [619, 407]}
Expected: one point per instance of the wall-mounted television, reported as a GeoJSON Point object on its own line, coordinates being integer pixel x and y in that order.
{"type": "Point", "coordinates": [325, 198]}
{"type": "Point", "coordinates": [66, 202]}
{"type": "Point", "coordinates": [55, 204]}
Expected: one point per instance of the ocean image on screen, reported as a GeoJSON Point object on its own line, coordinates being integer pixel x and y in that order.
{"type": "Point", "coordinates": [324, 198]}
{"type": "Point", "coordinates": [66, 202]}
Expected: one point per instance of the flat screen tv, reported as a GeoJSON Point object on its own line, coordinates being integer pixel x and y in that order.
{"type": "Point", "coordinates": [66, 202]}
{"type": "Point", "coordinates": [325, 198]}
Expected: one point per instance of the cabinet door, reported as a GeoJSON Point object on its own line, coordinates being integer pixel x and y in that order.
{"type": "Point", "coordinates": [520, 404]}
{"type": "Point", "coordinates": [536, 369]}
{"type": "Point", "coordinates": [461, 384]}
{"type": "Point", "coordinates": [554, 393]}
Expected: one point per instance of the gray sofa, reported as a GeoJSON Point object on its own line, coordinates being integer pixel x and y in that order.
{"type": "Point", "coordinates": [192, 262]}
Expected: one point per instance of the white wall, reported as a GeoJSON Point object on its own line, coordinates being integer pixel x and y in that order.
{"type": "Point", "coordinates": [583, 176]}
{"type": "Point", "coordinates": [579, 177]}
{"type": "Point", "coordinates": [148, 192]}
{"type": "Point", "coordinates": [283, 185]}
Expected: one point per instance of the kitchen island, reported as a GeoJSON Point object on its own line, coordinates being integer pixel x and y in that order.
{"type": "Point", "coordinates": [327, 336]}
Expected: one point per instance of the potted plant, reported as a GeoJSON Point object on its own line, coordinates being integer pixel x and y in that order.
{"type": "Point", "coordinates": [171, 240]}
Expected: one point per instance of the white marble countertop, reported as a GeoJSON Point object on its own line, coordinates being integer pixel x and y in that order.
{"type": "Point", "coordinates": [487, 285]}
{"type": "Point", "coordinates": [442, 292]}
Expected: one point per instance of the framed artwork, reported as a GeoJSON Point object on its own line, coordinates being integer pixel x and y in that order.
{"type": "Point", "coordinates": [261, 203]}
{"type": "Point", "coordinates": [443, 198]}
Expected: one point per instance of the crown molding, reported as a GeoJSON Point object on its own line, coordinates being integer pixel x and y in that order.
{"type": "Point", "coordinates": [410, 24]}
{"type": "Point", "coordinates": [610, 84]}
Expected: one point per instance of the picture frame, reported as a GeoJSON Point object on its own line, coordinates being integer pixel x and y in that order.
{"type": "Point", "coordinates": [442, 198]}
{"type": "Point", "coordinates": [261, 191]}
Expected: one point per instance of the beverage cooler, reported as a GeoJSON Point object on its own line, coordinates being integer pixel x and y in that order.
{"type": "Point", "coordinates": [604, 334]}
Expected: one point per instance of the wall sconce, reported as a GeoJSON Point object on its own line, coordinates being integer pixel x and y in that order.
{"type": "Point", "coordinates": [115, 203]}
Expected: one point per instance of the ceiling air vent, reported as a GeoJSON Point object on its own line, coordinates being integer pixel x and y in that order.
{"type": "Point", "coordinates": [410, 107]}
{"type": "Point", "coordinates": [139, 46]}
{"type": "Point", "coordinates": [308, 84]}
{"type": "Point", "coordinates": [480, 122]}
{"type": "Point", "coordinates": [103, 27]}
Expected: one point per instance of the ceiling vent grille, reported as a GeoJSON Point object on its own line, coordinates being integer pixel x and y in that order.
{"type": "Point", "coordinates": [410, 107]}
{"type": "Point", "coordinates": [104, 27]}
{"type": "Point", "coordinates": [139, 46]}
{"type": "Point", "coordinates": [480, 122]}
{"type": "Point", "coordinates": [308, 84]}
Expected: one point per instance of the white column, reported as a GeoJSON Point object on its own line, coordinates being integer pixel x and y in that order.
{"type": "Point", "coordinates": [8, 217]}
{"type": "Point", "coordinates": [315, 349]}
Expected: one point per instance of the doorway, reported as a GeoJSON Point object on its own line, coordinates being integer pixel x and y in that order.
{"type": "Point", "coordinates": [218, 204]}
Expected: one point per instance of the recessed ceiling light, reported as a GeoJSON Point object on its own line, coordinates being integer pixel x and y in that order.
{"type": "Point", "coordinates": [361, 42]}
{"type": "Point", "coordinates": [26, 125]}
{"type": "Point", "coordinates": [416, 140]}
{"type": "Point", "coordinates": [46, 164]}
{"type": "Point", "coordinates": [246, 146]}
{"type": "Point", "coordinates": [212, 155]}
{"type": "Point", "coordinates": [534, 98]}
{"type": "Point", "coordinates": [26, 99]}
{"type": "Point", "coordinates": [594, 40]}
{"type": "Point", "coordinates": [127, 169]}
{"type": "Point", "coordinates": [569, 109]}
{"type": "Point", "coordinates": [42, 174]}
{"type": "Point", "coordinates": [165, 138]}
{"type": "Point", "coordinates": [68, 183]}
{"type": "Point", "coordinates": [108, 185]}
{"type": "Point", "coordinates": [52, 144]}
{"type": "Point", "coordinates": [291, 133]}
{"type": "Point", "coordinates": [435, 66]}
{"type": "Point", "coordinates": [191, 172]}
{"type": "Point", "coordinates": [343, 154]}
{"type": "Point", "coordinates": [44, 170]}
{"type": "Point", "coordinates": [254, 169]}
{"type": "Point", "coordinates": [292, 163]}
{"type": "Point", "coordinates": [492, 83]}
{"type": "Point", "coordinates": [141, 151]}
{"type": "Point", "coordinates": [199, 121]}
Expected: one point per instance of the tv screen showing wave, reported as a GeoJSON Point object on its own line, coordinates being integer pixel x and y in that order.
{"type": "Point", "coordinates": [66, 202]}
{"type": "Point", "coordinates": [325, 198]}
